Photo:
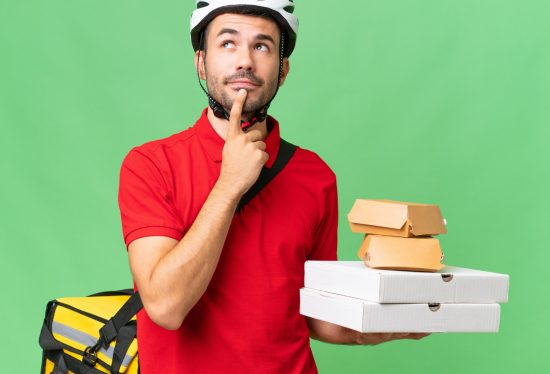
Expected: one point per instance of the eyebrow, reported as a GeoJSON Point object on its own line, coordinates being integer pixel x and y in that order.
{"type": "Point", "coordinates": [235, 32]}
{"type": "Point", "coordinates": [227, 31]}
{"type": "Point", "coordinates": [265, 37]}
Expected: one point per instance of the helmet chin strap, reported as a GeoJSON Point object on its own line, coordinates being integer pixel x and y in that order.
{"type": "Point", "coordinates": [258, 116]}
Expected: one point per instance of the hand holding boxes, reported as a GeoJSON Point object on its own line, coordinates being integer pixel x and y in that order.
{"type": "Point", "coordinates": [434, 298]}
{"type": "Point", "coordinates": [349, 294]}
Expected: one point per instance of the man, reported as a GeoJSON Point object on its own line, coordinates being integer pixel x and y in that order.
{"type": "Point", "coordinates": [220, 287]}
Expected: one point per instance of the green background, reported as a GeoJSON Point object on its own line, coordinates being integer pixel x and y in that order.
{"type": "Point", "coordinates": [438, 101]}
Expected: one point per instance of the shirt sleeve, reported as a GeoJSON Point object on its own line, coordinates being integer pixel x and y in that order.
{"type": "Point", "coordinates": [145, 200]}
{"type": "Point", "coordinates": [326, 238]}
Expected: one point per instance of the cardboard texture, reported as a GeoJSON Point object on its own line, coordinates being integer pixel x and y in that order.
{"type": "Point", "coordinates": [390, 252]}
{"type": "Point", "coordinates": [395, 218]}
{"type": "Point", "coordinates": [365, 316]}
{"type": "Point", "coordinates": [448, 285]}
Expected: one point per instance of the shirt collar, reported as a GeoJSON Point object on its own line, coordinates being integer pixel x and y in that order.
{"type": "Point", "coordinates": [213, 143]}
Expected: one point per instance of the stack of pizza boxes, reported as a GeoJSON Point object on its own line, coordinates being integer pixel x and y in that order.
{"type": "Point", "coordinates": [400, 284]}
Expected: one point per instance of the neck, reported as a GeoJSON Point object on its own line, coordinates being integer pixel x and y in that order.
{"type": "Point", "coordinates": [220, 125]}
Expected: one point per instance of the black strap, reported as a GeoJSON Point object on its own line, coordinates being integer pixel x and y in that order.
{"type": "Point", "coordinates": [69, 365]}
{"type": "Point", "coordinates": [126, 291]}
{"type": "Point", "coordinates": [125, 337]}
{"type": "Point", "coordinates": [47, 341]}
{"type": "Point", "coordinates": [110, 330]}
{"type": "Point", "coordinates": [286, 150]}
{"type": "Point", "coordinates": [53, 351]}
{"type": "Point", "coordinates": [60, 366]}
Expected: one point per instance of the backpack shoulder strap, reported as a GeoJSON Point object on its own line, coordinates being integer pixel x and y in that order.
{"type": "Point", "coordinates": [286, 151]}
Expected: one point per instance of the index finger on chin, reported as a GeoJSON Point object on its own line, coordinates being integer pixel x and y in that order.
{"type": "Point", "coordinates": [237, 109]}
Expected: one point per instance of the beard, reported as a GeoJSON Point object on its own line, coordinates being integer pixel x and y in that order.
{"type": "Point", "coordinates": [264, 92]}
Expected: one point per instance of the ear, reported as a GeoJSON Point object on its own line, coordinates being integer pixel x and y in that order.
{"type": "Point", "coordinates": [286, 69]}
{"type": "Point", "coordinates": [199, 64]}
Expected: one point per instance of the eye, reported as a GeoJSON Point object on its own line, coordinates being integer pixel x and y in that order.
{"type": "Point", "coordinates": [261, 47]}
{"type": "Point", "coordinates": [228, 44]}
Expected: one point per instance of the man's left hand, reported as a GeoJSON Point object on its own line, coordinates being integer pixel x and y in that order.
{"type": "Point", "coordinates": [377, 338]}
{"type": "Point", "coordinates": [331, 333]}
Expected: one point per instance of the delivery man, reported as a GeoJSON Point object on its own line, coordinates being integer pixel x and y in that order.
{"type": "Point", "coordinates": [220, 287]}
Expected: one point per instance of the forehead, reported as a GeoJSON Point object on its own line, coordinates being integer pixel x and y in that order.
{"type": "Point", "coordinates": [243, 23]}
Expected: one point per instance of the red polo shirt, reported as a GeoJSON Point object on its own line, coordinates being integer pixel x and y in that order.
{"type": "Point", "coordinates": [248, 319]}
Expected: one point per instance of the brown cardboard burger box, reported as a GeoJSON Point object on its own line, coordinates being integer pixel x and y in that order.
{"type": "Point", "coordinates": [390, 252]}
{"type": "Point", "coordinates": [396, 218]}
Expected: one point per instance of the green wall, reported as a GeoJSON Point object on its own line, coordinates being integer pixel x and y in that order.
{"type": "Point", "coordinates": [440, 101]}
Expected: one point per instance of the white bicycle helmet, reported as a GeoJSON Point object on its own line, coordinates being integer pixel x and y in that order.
{"type": "Point", "coordinates": [280, 10]}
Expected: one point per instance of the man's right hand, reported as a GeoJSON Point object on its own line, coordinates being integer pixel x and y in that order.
{"type": "Point", "coordinates": [243, 154]}
{"type": "Point", "coordinates": [173, 275]}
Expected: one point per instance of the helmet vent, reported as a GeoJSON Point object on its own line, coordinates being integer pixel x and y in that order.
{"type": "Point", "coordinates": [202, 4]}
{"type": "Point", "coordinates": [289, 9]}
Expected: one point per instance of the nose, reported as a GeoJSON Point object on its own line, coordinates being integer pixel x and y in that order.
{"type": "Point", "coordinates": [244, 59]}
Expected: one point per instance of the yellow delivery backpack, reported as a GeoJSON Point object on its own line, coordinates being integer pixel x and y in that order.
{"type": "Point", "coordinates": [92, 335]}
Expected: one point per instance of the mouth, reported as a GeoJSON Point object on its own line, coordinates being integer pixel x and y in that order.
{"type": "Point", "coordinates": [242, 83]}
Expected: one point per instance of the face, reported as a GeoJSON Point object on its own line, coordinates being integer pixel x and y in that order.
{"type": "Point", "coordinates": [242, 52]}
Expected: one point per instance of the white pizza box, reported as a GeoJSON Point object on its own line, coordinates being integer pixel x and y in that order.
{"type": "Point", "coordinates": [368, 316]}
{"type": "Point", "coordinates": [449, 285]}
